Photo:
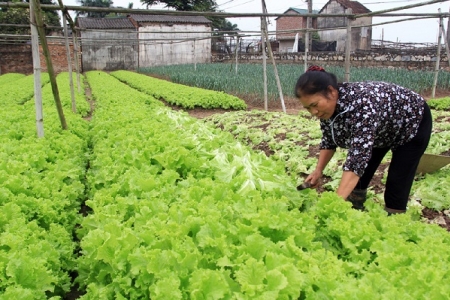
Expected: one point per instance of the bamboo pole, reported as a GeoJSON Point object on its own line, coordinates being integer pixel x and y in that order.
{"type": "Point", "coordinates": [75, 42]}
{"type": "Point", "coordinates": [51, 72]}
{"type": "Point", "coordinates": [384, 11]}
{"type": "Point", "coordinates": [263, 48]}
{"type": "Point", "coordinates": [444, 35]}
{"type": "Point", "coordinates": [269, 48]}
{"type": "Point", "coordinates": [76, 54]}
{"type": "Point", "coordinates": [236, 54]}
{"type": "Point", "coordinates": [195, 58]}
{"type": "Point", "coordinates": [37, 73]}
{"type": "Point", "coordinates": [438, 58]}
{"type": "Point", "coordinates": [69, 62]}
{"type": "Point", "coordinates": [308, 26]}
{"type": "Point", "coordinates": [381, 13]}
{"type": "Point", "coordinates": [348, 45]}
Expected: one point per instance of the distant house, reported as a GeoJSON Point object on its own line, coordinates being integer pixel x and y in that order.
{"type": "Point", "coordinates": [361, 35]}
{"type": "Point", "coordinates": [286, 40]}
{"type": "Point", "coordinates": [137, 41]}
{"type": "Point", "coordinates": [171, 40]}
{"type": "Point", "coordinates": [108, 44]}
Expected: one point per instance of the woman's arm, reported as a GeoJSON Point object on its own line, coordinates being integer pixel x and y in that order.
{"type": "Point", "coordinates": [348, 182]}
{"type": "Point", "coordinates": [325, 156]}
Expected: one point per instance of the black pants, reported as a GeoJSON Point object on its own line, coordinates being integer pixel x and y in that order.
{"type": "Point", "coordinates": [403, 166]}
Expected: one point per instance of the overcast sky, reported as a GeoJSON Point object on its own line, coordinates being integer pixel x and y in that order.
{"type": "Point", "coordinates": [417, 31]}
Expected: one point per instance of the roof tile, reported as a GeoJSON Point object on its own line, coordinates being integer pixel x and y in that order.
{"type": "Point", "coordinates": [104, 23]}
{"type": "Point", "coordinates": [170, 19]}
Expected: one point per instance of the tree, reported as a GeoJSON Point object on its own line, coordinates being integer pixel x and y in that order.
{"type": "Point", "coordinates": [185, 5]}
{"type": "Point", "coordinates": [94, 3]}
{"type": "Point", "coordinates": [218, 23]}
{"type": "Point", "coordinates": [21, 16]}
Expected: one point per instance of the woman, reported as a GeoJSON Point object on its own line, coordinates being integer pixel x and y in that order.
{"type": "Point", "coordinates": [369, 119]}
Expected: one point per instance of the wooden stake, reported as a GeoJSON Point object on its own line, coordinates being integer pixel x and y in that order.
{"type": "Point", "coordinates": [307, 38]}
{"type": "Point", "coordinates": [69, 63]}
{"type": "Point", "coordinates": [348, 45]}
{"type": "Point", "coordinates": [269, 48]}
{"type": "Point", "coordinates": [65, 13]}
{"type": "Point", "coordinates": [51, 72]}
{"type": "Point", "coordinates": [37, 73]}
{"type": "Point", "coordinates": [236, 55]}
{"type": "Point", "coordinates": [444, 34]}
{"type": "Point", "coordinates": [263, 48]}
{"type": "Point", "coordinates": [195, 57]}
{"type": "Point", "coordinates": [438, 58]}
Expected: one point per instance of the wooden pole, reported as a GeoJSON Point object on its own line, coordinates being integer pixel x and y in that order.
{"type": "Point", "coordinates": [348, 45]}
{"type": "Point", "coordinates": [51, 72]}
{"type": "Point", "coordinates": [263, 47]}
{"type": "Point", "coordinates": [307, 37]}
{"type": "Point", "coordinates": [236, 54]}
{"type": "Point", "coordinates": [69, 62]}
{"type": "Point", "coordinates": [438, 58]}
{"type": "Point", "coordinates": [37, 73]}
{"type": "Point", "coordinates": [65, 13]}
{"type": "Point", "coordinates": [444, 36]}
{"type": "Point", "coordinates": [269, 48]}
{"type": "Point", "coordinates": [447, 37]}
{"type": "Point", "coordinates": [377, 13]}
{"type": "Point", "coordinates": [195, 58]}
{"type": "Point", "coordinates": [76, 54]}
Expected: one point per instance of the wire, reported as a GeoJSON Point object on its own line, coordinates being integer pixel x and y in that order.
{"type": "Point", "coordinates": [225, 3]}
{"type": "Point", "coordinates": [239, 4]}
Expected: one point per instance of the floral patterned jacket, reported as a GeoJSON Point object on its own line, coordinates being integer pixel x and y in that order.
{"type": "Point", "coordinates": [371, 115]}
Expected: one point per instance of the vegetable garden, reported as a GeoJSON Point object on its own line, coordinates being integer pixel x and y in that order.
{"type": "Point", "coordinates": [144, 201]}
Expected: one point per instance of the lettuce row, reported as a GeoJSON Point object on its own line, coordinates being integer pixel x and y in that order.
{"type": "Point", "coordinates": [10, 77]}
{"type": "Point", "coordinates": [164, 206]}
{"type": "Point", "coordinates": [41, 189]}
{"type": "Point", "coordinates": [177, 94]}
{"type": "Point", "coordinates": [440, 103]}
{"type": "Point", "coordinates": [181, 210]}
{"type": "Point", "coordinates": [20, 90]}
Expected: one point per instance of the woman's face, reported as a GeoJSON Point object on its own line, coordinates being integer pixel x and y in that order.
{"type": "Point", "coordinates": [321, 105]}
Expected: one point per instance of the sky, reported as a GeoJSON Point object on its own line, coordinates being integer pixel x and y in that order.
{"type": "Point", "coordinates": [417, 31]}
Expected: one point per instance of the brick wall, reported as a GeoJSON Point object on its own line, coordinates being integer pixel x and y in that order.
{"type": "Point", "coordinates": [289, 23]}
{"type": "Point", "coordinates": [18, 58]}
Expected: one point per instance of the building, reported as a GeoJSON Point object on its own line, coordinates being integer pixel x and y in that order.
{"type": "Point", "coordinates": [171, 40]}
{"type": "Point", "coordinates": [108, 44]}
{"type": "Point", "coordinates": [361, 35]}
{"type": "Point", "coordinates": [294, 25]}
{"type": "Point", "coordinates": [139, 41]}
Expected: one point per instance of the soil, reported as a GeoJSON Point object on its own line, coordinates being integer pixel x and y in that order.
{"type": "Point", "coordinates": [293, 106]}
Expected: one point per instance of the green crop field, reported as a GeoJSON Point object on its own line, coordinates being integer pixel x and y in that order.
{"type": "Point", "coordinates": [143, 201]}
{"type": "Point", "coordinates": [249, 78]}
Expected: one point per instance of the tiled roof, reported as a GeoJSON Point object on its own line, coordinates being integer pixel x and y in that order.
{"type": "Point", "coordinates": [299, 11]}
{"type": "Point", "coordinates": [170, 19]}
{"type": "Point", "coordinates": [104, 23]}
{"type": "Point", "coordinates": [357, 8]}
{"type": "Point", "coordinates": [302, 11]}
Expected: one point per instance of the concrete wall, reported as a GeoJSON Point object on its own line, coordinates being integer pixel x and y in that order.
{"type": "Point", "coordinates": [361, 36]}
{"type": "Point", "coordinates": [17, 58]}
{"type": "Point", "coordinates": [161, 47]}
{"type": "Point", "coordinates": [108, 51]}
{"type": "Point", "coordinates": [410, 59]}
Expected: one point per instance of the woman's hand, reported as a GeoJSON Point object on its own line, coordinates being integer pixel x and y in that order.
{"type": "Point", "coordinates": [314, 178]}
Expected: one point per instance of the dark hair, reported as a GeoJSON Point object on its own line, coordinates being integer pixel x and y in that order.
{"type": "Point", "coordinates": [315, 80]}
